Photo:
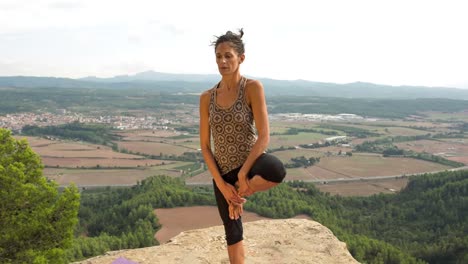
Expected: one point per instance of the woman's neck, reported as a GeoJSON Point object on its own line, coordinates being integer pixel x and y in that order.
{"type": "Point", "coordinates": [230, 82]}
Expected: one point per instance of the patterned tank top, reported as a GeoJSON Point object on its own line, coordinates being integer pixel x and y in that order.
{"type": "Point", "coordinates": [232, 130]}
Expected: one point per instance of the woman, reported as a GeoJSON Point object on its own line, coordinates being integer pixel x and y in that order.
{"type": "Point", "coordinates": [237, 163]}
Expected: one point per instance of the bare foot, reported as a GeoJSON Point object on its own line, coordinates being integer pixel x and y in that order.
{"type": "Point", "coordinates": [246, 191]}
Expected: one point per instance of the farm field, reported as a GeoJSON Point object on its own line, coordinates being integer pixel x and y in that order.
{"type": "Point", "coordinates": [278, 127]}
{"type": "Point", "coordinates": [191, 143]}
{"type": "Point", "coordinates": [452, 150]}
{"type": "Point", "coordinates": [343, 167]}
{"type": "Point", "coordinates": [71, 149]}
{"type": "Point", "coordinates": [363, 188]}
{"type": "Point", "coordinates": [374, 165]}
{"type": "Point", "coordinates": [390, 129]}
{"type": "Point", "coordinates": [92, 164]}
{"type": "Point", "coordinates": [286, 155]}
{"type": "Point", "coordinates": [77, 162]}
{"type": "Point", "coordinates": [437, 116]}
{"type": "Point", "coordinates": [94, 177]}
{"type": "Point", "coordinates": [329, 167]}
{"type": "Point", "coordinates": [463, 159]}
{"type": "Point", "coordinates": [205, 178]}
{"type": "Point", "coordinates": [174, 220]}
{"type": "Point", "coordinates": [277, 141]}
{"type": "Point", "coordinates": [70, 154]}
{"type": "Point", "coordinates": [403, 131]}
{"type": "Point", "coordinates": [435, 146]}
{"type": "Point", "coordinates": [357, 141]}
{"type": "Point", "coordinates": [163, 137]}
{"type": "Point", "coordinates": [355, 188]}
{"type": "Point", "coordinates": [153, 148]}
{"type": "Point", "coordinates": [97, 177]}
{"type": "Point", "coordinates": [147, 134]}
{"type": "Point", "coordinates": [410, 122]}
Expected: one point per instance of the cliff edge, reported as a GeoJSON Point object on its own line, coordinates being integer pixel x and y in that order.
{"type": "Point", "coordinates": [266, 241]}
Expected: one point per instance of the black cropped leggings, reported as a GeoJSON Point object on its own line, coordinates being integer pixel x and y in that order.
{"type": "Point", "coordinates": [268, 167]}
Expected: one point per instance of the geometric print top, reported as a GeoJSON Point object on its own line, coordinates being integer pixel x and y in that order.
{"type": "Point", "coordinates": [232, 130]}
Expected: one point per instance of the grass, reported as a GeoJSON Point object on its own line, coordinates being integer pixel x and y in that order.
{"type": "Point", "coordinates": [295, 140]}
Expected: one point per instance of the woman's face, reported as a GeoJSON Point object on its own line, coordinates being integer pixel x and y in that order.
{"type": "Point", "coordinates": [227, 58]}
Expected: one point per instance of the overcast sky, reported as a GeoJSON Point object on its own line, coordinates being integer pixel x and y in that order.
{"type": "Point", "coordinates": [396, 42]}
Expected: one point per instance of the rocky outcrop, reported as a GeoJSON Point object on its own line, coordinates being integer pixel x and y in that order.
{"type": "Point", "coordinates": [266, 241]}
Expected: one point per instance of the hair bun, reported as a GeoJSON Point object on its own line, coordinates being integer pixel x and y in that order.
{"type": "Point", "coordinates": [235, 39]}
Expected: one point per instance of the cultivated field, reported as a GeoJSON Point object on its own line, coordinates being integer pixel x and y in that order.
{"type": "Point", "coordinates": [357, 141]}
{"type": "Point", "coordinates": [436, 147]}
{"type": "Point", "coordinates": [452, 150]}
{"type": "Point", "coordinates": [179, 219]}
{"type": "Point", "coordinates": [403, 131]}
{"type": "Point", "coordinates": [110, 177]}
{"type": "Point", "coordinates": [343, 167]}
{"type": "Point", "coordinates": [191, 143]}
{"type": "Point", "coordinates": [438, 116]}
{"type": "Point", "coordinates": [90, 177]}
{"type": "Point", "coordinates": [170, 137]}
{"type": "Point", "coordinates": [153, 148]}
{"type": "Point", "coordinates": [413, 122]}
{"type": "Point", "coordinates": [72, 149]}
{"type": "Point", "coordinates": [286, 155]}
{"type": "Point", "coordinates": [91, 164]}
{"type": "Point", "coordinates": [147, 134]}
{"type": "Point", "coordinates": [77, 162]}
{"type": "Point", "coordinates": [363, 188]}
{"type": "Point", "coordinates": [295, 140]}
{"type": "Point", "coordinates": [374, 165]}
{"type": "Point", "coordinates": [278, 127]}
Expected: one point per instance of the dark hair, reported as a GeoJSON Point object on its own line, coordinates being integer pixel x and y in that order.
{"type": "Point", "coordinates": [236, 41]}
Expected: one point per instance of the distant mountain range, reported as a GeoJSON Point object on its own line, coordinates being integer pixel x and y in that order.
{"type": "Point", "coordinates": [195, 83]}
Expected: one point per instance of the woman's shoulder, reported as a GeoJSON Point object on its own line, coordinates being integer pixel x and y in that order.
{"type": "Point", "coordinates": [206, 95]}
{"type": "Point", "coordinates": [209, 91]}
{"type": "Point", "coordinates": [252, 82]}
{"type": "Point", "coordinates": [253, 86]}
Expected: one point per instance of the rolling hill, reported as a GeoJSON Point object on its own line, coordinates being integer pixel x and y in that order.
{"type": "Point", "coordinates": [195, 83]}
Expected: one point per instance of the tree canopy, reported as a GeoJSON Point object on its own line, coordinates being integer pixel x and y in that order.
{"type": "Point", "coordinates": [37, 221]}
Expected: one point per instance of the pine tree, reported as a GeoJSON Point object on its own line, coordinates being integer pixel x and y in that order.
{"type": "Point", "coordinates": [37, 222]}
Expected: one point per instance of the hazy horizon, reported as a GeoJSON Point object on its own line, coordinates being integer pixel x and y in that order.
{"type": "Point", "coordinates": [258, 77]}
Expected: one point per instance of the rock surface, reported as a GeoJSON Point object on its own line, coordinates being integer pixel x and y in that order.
{"type": "Point", "coordinates": [266, 241]}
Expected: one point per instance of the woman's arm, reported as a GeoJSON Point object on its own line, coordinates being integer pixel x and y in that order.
{"type": "Point", "coordinates": [255, 96]}
{"type": "Point", "coordinates": [229, 192]}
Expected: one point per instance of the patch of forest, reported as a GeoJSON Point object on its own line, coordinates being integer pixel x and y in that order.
{"type": "Point", "coordinates": [119, 218]}
{"type": "Point", "coordinates": [424, 223]}
{"type": "Point", "coordinates": [93, 133]}
{"type": "Point", "coordinates": [367, 107]}
{"type": "Point", "coordinates": [49, 98]}
{"type": "Point", "coordinates": [30, 99]}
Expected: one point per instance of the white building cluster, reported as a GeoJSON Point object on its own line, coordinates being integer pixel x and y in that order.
{"type": "Point", "coordinates": [317, 117]}
{"type": "Point", "coordinates": [15, 122]}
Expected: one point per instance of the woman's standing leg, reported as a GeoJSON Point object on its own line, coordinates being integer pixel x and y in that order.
{"type": "Point", "coordinates": [233, 229]}
{"type": "Point", "coordinates": [236, 253]}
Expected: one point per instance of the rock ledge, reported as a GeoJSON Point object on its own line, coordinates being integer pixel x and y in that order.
{"type": "Point", "coordinates": [266, 241]}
